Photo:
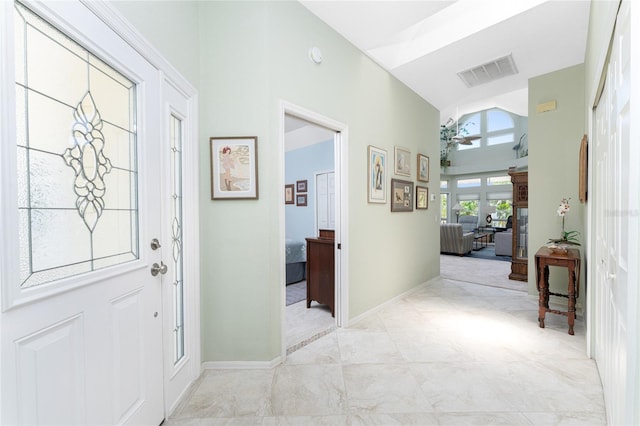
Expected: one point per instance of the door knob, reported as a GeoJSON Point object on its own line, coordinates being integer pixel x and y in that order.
{"type": "Point", "coordinates": [161, 268]}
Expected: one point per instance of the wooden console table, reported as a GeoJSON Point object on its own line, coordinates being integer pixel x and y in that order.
{"type": "Point", "coordinates": [570, 260]}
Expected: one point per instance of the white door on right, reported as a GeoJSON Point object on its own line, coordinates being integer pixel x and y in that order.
{"type": "Point", "coordinates": [615, 235]}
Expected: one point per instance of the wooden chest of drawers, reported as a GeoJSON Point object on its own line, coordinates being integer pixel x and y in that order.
{"type": "Point", "coordinates": [321, 270]}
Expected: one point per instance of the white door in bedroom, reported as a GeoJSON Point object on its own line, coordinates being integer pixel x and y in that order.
{"type": "Point", "coordinates": [616, 233]}
{"type": "Point", "coordinates": [325, 201]}
{"type": "Point", "coordinates": [82, 319]}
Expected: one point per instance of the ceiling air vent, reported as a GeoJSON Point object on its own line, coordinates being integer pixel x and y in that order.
{"type": "Point", "coordinates": [490, 71]}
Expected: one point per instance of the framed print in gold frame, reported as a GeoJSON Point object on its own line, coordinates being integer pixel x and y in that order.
{"type": "Point", "coordinates": [423, 168]}
{"type": "Point", "coordinates": [422, 197]}
{"type": "Point", "coordinates": [402, 161]}
{"type": "Point", "coordinates": [234, 167]}
{"type": "Point", "coordinates": [376, 175]}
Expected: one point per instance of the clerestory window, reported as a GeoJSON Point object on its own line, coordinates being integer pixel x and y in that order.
{"type": "Point", "coordinates": [494, 126]}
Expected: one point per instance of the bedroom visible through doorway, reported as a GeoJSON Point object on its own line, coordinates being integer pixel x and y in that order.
{"type": "Point", "coordinates": [310, 212]}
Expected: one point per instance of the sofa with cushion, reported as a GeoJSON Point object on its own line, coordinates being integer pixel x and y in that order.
{"type": "Point", "coordinates": [469, 223]}
{"type": "Point", "coordinates": [454, 240]}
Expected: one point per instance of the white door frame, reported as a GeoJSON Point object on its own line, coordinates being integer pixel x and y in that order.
{"type": "Point", "coordinates": [341, 231]}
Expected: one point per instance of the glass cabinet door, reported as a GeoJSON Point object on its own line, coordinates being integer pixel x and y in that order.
{"type": "Point", "coordinates": [521, 230]}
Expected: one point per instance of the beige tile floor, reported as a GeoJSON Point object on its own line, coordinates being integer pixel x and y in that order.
{"type": "Point", "coordinates": [451, 353]}
{"type": "Point", "coordinates": [302, 323]}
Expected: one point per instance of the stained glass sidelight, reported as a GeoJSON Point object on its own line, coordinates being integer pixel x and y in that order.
{"type": "Point", "coordinates": [176, 237]}
{"type": "Point", "coordinates": [76, 144]}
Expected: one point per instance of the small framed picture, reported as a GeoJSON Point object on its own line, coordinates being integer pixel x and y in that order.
{"type": "Point", "coordinates": [401, 195]}
{"type": "Point", "coordinates": [422, 197]}
{"type": "Point", "coordinates": [402, 161]}
{"type": "Point", "coordinates": [234, 167]}
{"type": "Point", "coordinates": [301, 200]}
{"type": "Point", "coordinates": [377, 175]}
{"type": "Point", "coordinates": [301, 186]}
{"type": "Point", "coordinates": [423, 168]}
{"type": "Point", "coordinates": [289, 193]}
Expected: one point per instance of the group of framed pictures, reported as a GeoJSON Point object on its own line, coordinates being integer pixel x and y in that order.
{"type": "Point", "coordinates": [402, 191]}
{"type": "Point", "coordinates": [234, 175]}
{"type": "Point", "coordinates": [296, 194]}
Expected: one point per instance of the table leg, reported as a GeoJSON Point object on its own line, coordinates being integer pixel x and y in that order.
{"type": "Point", "coordinates": [543, 293]}
{"type": "Point", "coordinates": [571, 314]}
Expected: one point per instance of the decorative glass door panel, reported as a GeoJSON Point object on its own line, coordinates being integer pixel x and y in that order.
{"type": "Point", "coordinates": [175, 134]}
{"type": "Point", "coordinates": [76, 145]}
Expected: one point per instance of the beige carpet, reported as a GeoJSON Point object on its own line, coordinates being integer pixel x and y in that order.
{"type": "Point", "coordinates": [479, 271]}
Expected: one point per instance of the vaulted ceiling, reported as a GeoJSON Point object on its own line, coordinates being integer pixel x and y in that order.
{"type": "Point", "coordinates": [425, 44]}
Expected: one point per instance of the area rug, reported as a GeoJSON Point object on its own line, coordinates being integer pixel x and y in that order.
{"type": "Point", "coordinates": [296, 292]}
{"type": "Point", "coordinates": [488, 252]}
{"type": "Point", "coordinates": [478, 271]}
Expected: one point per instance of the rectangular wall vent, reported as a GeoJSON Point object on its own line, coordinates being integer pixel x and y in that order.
{"type": "Point", "coordinates": [490, 71]}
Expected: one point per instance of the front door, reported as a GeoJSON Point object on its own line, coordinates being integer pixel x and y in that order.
{"type": "Point", "coordinates": [81, 311]}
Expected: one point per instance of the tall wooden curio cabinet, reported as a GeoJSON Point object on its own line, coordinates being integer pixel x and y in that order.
{"type": "Point", "coordinates": [520, 242]}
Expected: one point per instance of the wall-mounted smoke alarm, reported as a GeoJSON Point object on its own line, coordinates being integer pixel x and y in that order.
{"type": "Point", "coordinates": [315, 55]}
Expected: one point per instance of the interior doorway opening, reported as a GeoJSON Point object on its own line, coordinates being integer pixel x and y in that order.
{"type": "Point", "coordinates": [313, 291]}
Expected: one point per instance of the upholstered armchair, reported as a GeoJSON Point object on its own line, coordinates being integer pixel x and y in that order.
{"type": "Point", "coordinates": [454, 240]}
{"type": "Point", "coordinates": [469, 223]}
{"type": "Point", "coordinates": [503, 242]}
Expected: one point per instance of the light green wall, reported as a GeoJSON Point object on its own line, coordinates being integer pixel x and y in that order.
{"type": "Point", "coordinates": [554, 146]}
{"type": "Point", "coordinates": [254, 55]}
{"type": "Point", "coordinates": [171, 27]}
{"type": "Point", "coordinates": [250, 55]}
{"type": "Point", "coordinates": [239, 295]}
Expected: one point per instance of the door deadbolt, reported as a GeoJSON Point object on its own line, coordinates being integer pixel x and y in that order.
{"type": "Point", "coordinates": [161, 268]}
{"type": "Point", "coordinates": [155, 244]}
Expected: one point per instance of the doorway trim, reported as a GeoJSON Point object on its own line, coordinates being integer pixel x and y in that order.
{"type": "Point", "coordinates": [341, 137]}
